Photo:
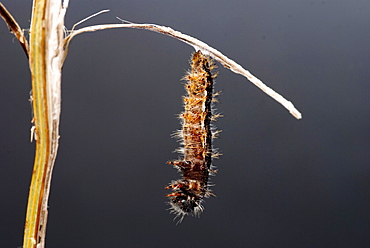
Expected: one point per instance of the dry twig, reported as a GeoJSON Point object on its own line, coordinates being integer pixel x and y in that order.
{"type": "Point", "coordinates": [198, 45]}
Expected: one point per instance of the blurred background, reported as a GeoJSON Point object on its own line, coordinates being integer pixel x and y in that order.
{"type": "Point", "coordinates": [281, 182]}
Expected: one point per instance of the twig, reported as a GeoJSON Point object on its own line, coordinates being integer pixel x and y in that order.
{"type": "Point", "coordinates": [198, 45]}
{"type": "Point", "coordinates": [89, 17]}
{"type": "Point", "coordinates": [14, 27]}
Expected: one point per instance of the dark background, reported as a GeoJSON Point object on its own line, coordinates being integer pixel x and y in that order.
{"type": "Point", "coordinates": [281, 182]}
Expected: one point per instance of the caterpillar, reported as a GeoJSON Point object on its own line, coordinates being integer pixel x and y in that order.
{"type": "Point", "coordinates": [196, 137]}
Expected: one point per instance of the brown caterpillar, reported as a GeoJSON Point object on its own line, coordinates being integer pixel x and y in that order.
{"type": "Point", "coordinates": [196, 137]}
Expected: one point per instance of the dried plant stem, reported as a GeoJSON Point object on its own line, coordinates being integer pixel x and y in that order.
{"type": "Point", "coordinates": [198, 45]}
{"type": "Point", "coordinates": [14, 27]}
{"type": "Point", "coordinates": [45, 58]}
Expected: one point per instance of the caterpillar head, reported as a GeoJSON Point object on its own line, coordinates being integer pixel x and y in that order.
{"type": "Point", "coordinates": [183, 205]}
{"type": "Point", "coordinates": [186, 198]}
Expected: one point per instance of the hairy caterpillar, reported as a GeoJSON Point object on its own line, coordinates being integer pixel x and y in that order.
{"type": "Point", "coordinates": [196, 138]}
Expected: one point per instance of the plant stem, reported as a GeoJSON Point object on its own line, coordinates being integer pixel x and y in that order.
{"type": "Point", "coordinates": [45, 53]}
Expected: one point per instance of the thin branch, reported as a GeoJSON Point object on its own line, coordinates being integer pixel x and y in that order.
{"type": "Point", "coordinates": [198, 45]}
{"type": "Point", "coordinates": [89, 17]}
{"type": "Point", "coordinates": [14, 27]}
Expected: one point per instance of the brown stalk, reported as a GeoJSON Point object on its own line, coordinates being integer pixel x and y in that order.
{"type": "Point", "coordinates": [14, 27]}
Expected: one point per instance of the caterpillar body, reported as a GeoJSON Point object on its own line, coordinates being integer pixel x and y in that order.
{"type": "Point", "coordinates": [196, 138]}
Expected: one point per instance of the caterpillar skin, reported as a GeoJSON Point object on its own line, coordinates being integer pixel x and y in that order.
{"type": "Point", "coordinates": [196, 138]}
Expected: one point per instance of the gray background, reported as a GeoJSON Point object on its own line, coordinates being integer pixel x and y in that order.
{"type": "Point", "coordinates": [281, 182]}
